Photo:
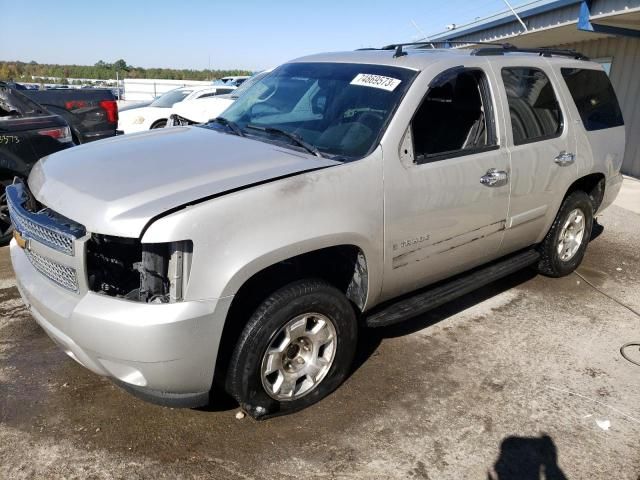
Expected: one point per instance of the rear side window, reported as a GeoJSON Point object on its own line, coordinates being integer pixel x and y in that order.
{"type": "Point", "coordinates": [533, 107]}
{"type": "Point", "coordinates": [594, 97]}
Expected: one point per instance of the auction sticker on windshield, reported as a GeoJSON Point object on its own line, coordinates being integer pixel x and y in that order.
{"type": "Point", "coordinates": [376, 81]}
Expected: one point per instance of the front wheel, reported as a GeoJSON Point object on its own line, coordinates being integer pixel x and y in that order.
{"type": "Point", "coordinates": [562, 250]}
{"type": "Point", "coordinates": [297, 348]}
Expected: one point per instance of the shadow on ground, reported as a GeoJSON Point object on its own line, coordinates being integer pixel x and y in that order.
{"type": "Point", "coordinates": [527, 458]}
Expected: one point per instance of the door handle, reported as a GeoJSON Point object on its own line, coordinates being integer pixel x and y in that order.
{"type": "Point", "coordinates": [564, 158]}
{"type": "Point", "coordinates": [494, 178]}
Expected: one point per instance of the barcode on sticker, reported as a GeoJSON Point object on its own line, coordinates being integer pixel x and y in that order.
{"type": "Point", "coordinates": [376, 81]}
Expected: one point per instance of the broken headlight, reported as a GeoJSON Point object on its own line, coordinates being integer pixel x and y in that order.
{"type": "Point", "coordinates": [144, 272]}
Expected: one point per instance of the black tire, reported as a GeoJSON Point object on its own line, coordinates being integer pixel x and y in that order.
{"type": "Point", "coordinates": [551, 264]}
{"type": "Point", "coordinates": [159, 124]}
{"type": "Point", "coordinates": [6, 227]}
{"type": "Point", "coordinates": [244, 380]}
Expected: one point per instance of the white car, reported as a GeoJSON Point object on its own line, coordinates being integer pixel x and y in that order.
{"type": "Point", "coordinates": [205, 109]}
{"type": "Point", "coordinates": [155, 114]}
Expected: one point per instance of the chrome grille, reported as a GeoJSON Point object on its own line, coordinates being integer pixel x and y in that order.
{"type": "Point", "coordinates": [45, 226]}
{"type": "Point", "coordinates": [62, 275]}
{"type": "Point", "coordinates": [47, 236]}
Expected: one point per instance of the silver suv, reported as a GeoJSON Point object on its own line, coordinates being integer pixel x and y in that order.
{"type": "Point", "coordinates": [342, 192]}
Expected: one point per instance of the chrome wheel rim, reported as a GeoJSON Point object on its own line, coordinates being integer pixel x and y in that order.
{"type": "Point", "coordinates": [299, 357]}
{"type": "Point", "coordinates": [571, 235]}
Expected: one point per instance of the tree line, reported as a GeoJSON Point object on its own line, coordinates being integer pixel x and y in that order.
{"type": "Point", "coordinates": [24, 71]}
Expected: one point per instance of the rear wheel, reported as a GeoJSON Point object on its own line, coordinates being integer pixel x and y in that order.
{"type": "Point", "coordinates": [297, 348]}
{"type": "Point", "coordinates": [6, 228]}
{"type": "Point", "coordinates": [562, 250]}
{"type": "Point", "coordinates": [160, 124]}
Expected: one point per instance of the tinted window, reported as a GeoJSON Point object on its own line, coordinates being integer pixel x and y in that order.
{"type": "Point", "coordinates": [533, 106]}
{"type": "Point", "coordinates": [454, 118]}
{"type": "Point", "coordinates": [594, 97]}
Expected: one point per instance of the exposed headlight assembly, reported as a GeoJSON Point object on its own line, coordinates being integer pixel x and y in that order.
{"type": "Point", "coordinates": [144, 272]}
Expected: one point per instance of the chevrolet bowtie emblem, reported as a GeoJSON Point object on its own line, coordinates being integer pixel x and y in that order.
{"type": "Point", "coordinates": [20, 240]}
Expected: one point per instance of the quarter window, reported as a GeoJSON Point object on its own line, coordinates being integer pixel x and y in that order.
{"type": "Point", "coordinates": [533, 106]}
{"type": "Point", "coordinates": [455, 117]}
{"type": "Point", "coordinates": [594, 97]}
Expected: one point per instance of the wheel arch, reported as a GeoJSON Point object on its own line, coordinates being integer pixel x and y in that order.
{"type": "Point", "coordinates": [343, 265]}
{"type": "Point", "coordinates": [593, 185]}
{"type": "Point", "coordinates": [157, 121]}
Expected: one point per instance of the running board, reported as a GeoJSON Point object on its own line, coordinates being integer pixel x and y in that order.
{"type": "Point", "coordinates": [433, 297]}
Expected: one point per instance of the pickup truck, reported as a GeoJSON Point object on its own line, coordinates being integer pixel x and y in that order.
{"type": "Point", "coordinates": [343, 192]}
{"type": "Point", "coordinates": [27, 133]}
{"type": "Point", "coordinates": [92, 114]}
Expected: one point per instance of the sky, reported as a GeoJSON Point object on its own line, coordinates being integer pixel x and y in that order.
{"type": "Point", "coordinates": [201, 34]}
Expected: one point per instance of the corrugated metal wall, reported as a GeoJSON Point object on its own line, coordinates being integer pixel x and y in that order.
{"type": "Point", "coordinates": [544, 20]}
{"type": "Point", "coordinates": [625, 77]}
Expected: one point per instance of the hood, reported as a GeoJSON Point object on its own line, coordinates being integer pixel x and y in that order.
{"type": "Point", "coordinates": [116, 186]}
{"type": "Point", "coordinates": [139, 111]}
{"type": "Point", "coordinates": [133, 106]}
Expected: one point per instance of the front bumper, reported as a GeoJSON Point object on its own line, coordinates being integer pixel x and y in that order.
{"type": "Point", "coordinates": [161, 352]}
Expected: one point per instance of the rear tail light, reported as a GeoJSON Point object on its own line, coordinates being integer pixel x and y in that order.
{"type": "Point", "coordinates": [75, 104]}
{"type": "Point", "coordinates": [62, 134]}
{"type": "Point", "coordinates": [111, 108]}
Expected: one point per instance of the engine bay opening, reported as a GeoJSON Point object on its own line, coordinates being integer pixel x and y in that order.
{"type": "Point", "coordinates": [143, 272]}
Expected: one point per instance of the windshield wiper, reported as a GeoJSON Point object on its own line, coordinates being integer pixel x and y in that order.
{"type": "Point", "coordinates": [292, 136]}
{"type": "Point", "coordinates": [233, 126]}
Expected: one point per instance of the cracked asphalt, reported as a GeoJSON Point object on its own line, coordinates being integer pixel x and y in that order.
{"type": "Point", "coordinates": [522, 379]}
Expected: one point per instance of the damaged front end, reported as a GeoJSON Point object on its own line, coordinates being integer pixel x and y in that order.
{"type": "Point", "coordinates": [176, 120]}
{"type": "Point", "coordinates": [143, 272]}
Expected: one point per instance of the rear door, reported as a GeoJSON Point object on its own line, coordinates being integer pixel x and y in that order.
{"type": "Point", "coordinates": [541, 145]}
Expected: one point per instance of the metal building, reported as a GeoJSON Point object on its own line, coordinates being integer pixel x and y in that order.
{"type": "Point", "coordinates": [607, 31]}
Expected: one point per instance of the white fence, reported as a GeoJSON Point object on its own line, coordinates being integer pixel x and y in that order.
{"type": "Point", "coordinates": [141, 90]}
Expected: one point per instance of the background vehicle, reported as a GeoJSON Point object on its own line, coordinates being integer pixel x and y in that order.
{"type": "Point", "coordinates": [155, 114]}
{"type": "Point", "coordinates": [233, 81]}
{"type": "Point", "coordinates": [92, 114]}
{"type": "Point", "coordinates": [27, 133]}
{"type": "Point", "coordinates": [342, 190]}
{"type": "Point", "coordinates": [204, 109]}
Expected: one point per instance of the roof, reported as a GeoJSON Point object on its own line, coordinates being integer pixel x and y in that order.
{"type": "Point", "coordinates": [528, 10]}
{"type": "Point", "coordinates": [415, 58]}
{"type": "Point", "coordinates": [552, 22]}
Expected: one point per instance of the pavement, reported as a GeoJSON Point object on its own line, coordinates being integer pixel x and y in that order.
{"type": "Point", "coordinates": [522, 379]}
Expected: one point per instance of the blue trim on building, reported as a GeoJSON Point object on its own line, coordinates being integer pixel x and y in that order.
{"type": "Point", "coordinates": [585, 25]}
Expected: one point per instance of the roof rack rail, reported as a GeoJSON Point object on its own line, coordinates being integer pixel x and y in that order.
{"type": "Point", "coordinates": [487, 48]}
{"type": "Point", "coordinates": [543, 52]}
{"type": "Point", "coordinates": [429, 43]}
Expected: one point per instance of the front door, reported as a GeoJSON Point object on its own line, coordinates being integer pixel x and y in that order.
{"type": "Point", "coordinates": [447, 188]}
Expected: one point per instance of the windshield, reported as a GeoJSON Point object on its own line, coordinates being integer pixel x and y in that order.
{"type": "Point", "coordinates": [250, 82]}
{"type": "Point", "coordinates": [166, 100]}
{"type": "Point", "coordinates": [339, 109]}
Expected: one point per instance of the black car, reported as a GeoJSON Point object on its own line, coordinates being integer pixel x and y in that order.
{"type": "Point", "coordinates": [28, 132]}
